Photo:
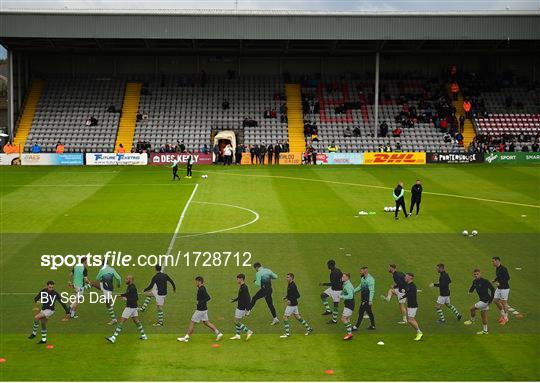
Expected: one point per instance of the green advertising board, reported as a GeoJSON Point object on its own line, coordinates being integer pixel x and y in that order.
{"type": "Point", "coordinates": [513, 158]}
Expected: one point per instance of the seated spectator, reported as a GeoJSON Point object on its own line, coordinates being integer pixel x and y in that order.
{"type": "Point", "coordinates": [348, 132]}
{"type": "Point", "coordinates": [444, 125]}
{"type": "Point", "coordinates": [502, 148]}
{"type": "Point", "coordinates": [459, 138]}
{"type": "Point", "coordinates": [59, 149]}
{"type": "Point", "coordinates": [138, 117]}
{"type": "Point", "coordinates": [388, 148]}
{"type": "Point", "coordinates": [381, 148]}
{"type": "Point", "coordinates": [145, 116]}
{"type": "Point", "coordinates": [396, 132]}
{"type": "Point", "coordinates": [36, 148]}
{"type": "Point", "coordinates": [356, 131]}
{"type": "Point", "coordinates": [204, 149]}
{"type": "Point", "coordinates": [273, 113]}
{"type": "Point", "coordinates": [121, 149]}
{"type": "Point", "coordinates": [91, 121]}
{"type": "Point", "coordinates": [398, 147]}
{"type": "Point", "coordinates": [447, 137]}
{"type": "Point", "coordinates": [225, 105]}
{"type": "Point", "coordinates": [283, 109]}
{"type": "Point", "coordinates": [383, 129]}
{"type": "Point", "coordinates": [512, 147]}
{"type": "Point", "coordinates": [333, 148]}
{"type": "Point", "coordinates": [525, 148]}
{"type": "Point", "coordinates": [267, 113]}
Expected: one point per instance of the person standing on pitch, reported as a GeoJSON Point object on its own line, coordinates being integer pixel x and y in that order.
{"type": "Point", "coordinates": [367, 292]}
{"type": "Point", "coordinates": [348, 302]}
{"type": "Point", "coordinates": [201, 313]}
{"type": "Point", "coordinates": [485, 291]}
{"type": "Point", "coordinates": [292, 308]}
{"type": "Point", "coordinates": [412, 305]}
{"type": "Point", "coordinates": [189, 164]}
{"type": "Point", "coordinates": [335, 286]}
{"type": "Point", "coordinates": [503, 289]}
{"type": "Point", "coordinates": [444, 294]}
{"type": "Point", "coordinates": [263, 279]}
{"type": "Point", "coordinates": [131, 311]}
{"type": "Point", "coordinates": [398, 289]}
{"type": "Point", "coordinates": [174, 167]}
{"type": "Point", "coordinates": [416, 197]}
{"type": "Point", "coordinates": [243, 300]}
{"type": "Point", "coordinates": [400, 200]}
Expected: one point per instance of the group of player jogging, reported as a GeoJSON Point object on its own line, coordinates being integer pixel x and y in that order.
{"type": "Point", "coordinates": [339, 288]}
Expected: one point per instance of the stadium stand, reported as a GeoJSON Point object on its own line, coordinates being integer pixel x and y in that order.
{"type": "Point", "coordinates": [183, 108]}
{"type": "Point", "coordinates": [64, 108]}
{"type": "Point", "coordinates": [356, 97]}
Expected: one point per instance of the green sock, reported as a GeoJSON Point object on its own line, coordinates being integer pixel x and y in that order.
{"type": "Point", "coordinates": [305, 323]}
{"type": "Point", "coordinates": [141, 330]}
{"type": "Point", "coordinates": [87, 286]}
{"type": "Point", "coordinates": [453, 309]}
{"type": "Point", "coordinates": [44, 335]}
{"type": "Point", "coordinates": [287, 327]}
{"type": "Point", "coordinates": [245, 328]}
{"type": "Point", "coordinates": [145, 303]}
{"type": "Point", "coordinates": [441, 315]}
{"type": "Point", "coordinates": [348, 326]}
{"type": "Point", "coordinates": [160, 316]}
{"type": "Point", "coordinates": [110, 309]}
{"type": "Point", "coordinates": [118, 330]}
{"type": "Point", "coordinates": [326, 305]}
{"type": "Point", "coordinates": [238, 328]}
{"type": "Point", "coordinates": [334, 314]}
{"type": "Point", "coordinates": [35, 328]}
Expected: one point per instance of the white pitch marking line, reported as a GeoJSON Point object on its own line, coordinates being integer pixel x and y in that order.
{"type": "Point", "coordinates": [257, 216]}
{"type": "Point", "coordinates": [376, 187]}
{"type": "Point", "coordinates": [92, 185]}
{"type": "Point", "coordinates": [181, 219]}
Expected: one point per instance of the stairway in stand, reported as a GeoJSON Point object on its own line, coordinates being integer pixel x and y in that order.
{"type": "Point", "coordinates": [295, 116]}
{"type": "Point", "coordinates": [128, 120]}
{"type": "Point", "coordinates": [28, 113]}
{"type": "Point", "coordinates": [468, 129]}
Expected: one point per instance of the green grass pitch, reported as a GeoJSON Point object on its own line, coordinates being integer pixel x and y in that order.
{"type": "Point", "coordinates": [291, 219]}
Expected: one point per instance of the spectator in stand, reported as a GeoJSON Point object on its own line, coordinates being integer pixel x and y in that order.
{"type": "Point", "coordinates": [204, 149]}
{"type": "Point", "coordinates": [381, 148]}
{"type": "Point", "coordinates": [270, 151]}
{"type": "Point", "coordinates": [112, 109]}
{"type": "Point", "coordinates": [454, 89]}
{"type": "Point", "coordinates": [139, 116]}
{"type": "Point", "coordinates": [444, 125]}
{"type": "Point", "coordinates": [398, 147]}
{"type": "Point", "coordinates": [333, 148]}
{"type": "Point", "coordinates": [512, 147]}
{"type": "Point", "coordinates": [36, 148]}
{"type": "Point", "coordinates": [273, 113]}
{"type": "Point", "coordinates": [120, 149]}
{"type": "Point", "coordinates": [396, 132]}
{"type": "Point", "coordinates": [383, 129]}
{"type": "Point", "coordinates": [145, 116]}
{"type": "Point", "coordinates": [467, 108]}
{"type": "Point", "coordinates": [459, 139]}
{"type": "Point", "coordinates": [388, 148]}
{"type": "Point", "coordinates": [461, 123]}
{"type": "Point", "coordinates": [535, 146]}
{"type": "Point", "coordinates": [253, 152]}
{"type": "Point", "coordinates": [348, 132]}
{"type": "Point", "coordinates": [10, 148]}
{"type": "Point", "coordinates": [227, 154]}
{"type": "Point", "coordinates": [447, 137]}
{"type": "Point", "coordinates": [225, 105]}
{"type": "Point", "coordinates": [356, 131]}
{"type": "Point", "coordinates": [501, 147]}
{"type": "Point", "coordinates": [525, 148]}
{"type": "Point", "coordinates": [267, 113]}
{"type": "Point", "coordinates": [59, 149]}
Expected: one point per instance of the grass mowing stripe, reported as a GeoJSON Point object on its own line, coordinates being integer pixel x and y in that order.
{"type": "Point", "coordinates": [374, 187]}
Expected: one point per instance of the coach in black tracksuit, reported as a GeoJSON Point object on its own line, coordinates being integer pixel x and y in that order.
{"type": "Point", "coordinates": [416, 196]}
{"type": "Point", "coordinates": [400, 199]}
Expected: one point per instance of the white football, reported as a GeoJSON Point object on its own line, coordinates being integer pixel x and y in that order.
{"type": "Point", "coordinates": [474, 232]}
{"type": "Point", "coordinates": [465, 232]}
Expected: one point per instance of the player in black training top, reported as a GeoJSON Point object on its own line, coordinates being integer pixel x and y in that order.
{"type": "Point", "coordinates": [201, 313]}
{"type": "Point", "coordinates": [292, 307]}
{"type": "Point", "coordinates": [333, 291]}
{"type": "Point", "coordinates": [412, 304]}
{"type": "Point", "coordinates": [416, 196]}
{"type": "Point", "coordinates": [189, 164]}
{"type": "Point", "coordinates": [48, 298]}
{"type": "Point", "coordinates": [444, 294]}
{"type": "Point", "coordinates": [131, 311]}
{"type": "Point", "coordinates": [243, 302]}
{"type": "Point", "coordinates": [398, 289]}
{"type": "Point", "coordinates": [503, 289]}
{"type": "Point", "coordinates": [158, 289]}
{"type": "Point", "coordinates": [485, 291]}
